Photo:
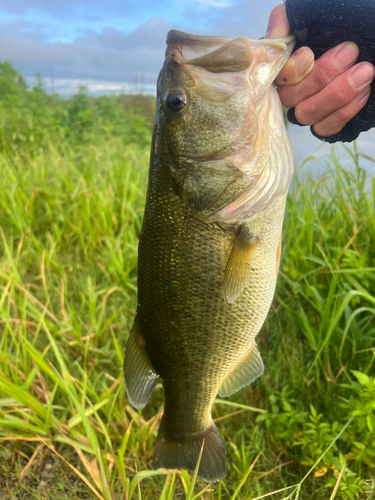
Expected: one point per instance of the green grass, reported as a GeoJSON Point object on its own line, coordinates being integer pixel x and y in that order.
{"type": "Point", "coordinates": [70, 220]}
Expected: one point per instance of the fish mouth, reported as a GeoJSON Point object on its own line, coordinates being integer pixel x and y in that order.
{"type": "Point", "coordinates": [222, 66]}
{"type": "Point", "coordinates": [214, 53]}
{"type": "Point", "coordinates": [200, 45]}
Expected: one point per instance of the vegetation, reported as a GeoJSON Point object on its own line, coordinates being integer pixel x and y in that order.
{"type": "Point", "coordinates": [72, 190]}
{"type": "Point", "coordinates": [32, 120]}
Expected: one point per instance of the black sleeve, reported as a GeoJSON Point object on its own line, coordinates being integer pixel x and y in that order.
{"type": "Point", "coordinates": [322, 24]}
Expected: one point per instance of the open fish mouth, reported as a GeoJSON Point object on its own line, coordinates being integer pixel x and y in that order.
{"type": "Point", "coordinates": [196, 46]}
{"type": "Point", "coordinates": [221, 66]}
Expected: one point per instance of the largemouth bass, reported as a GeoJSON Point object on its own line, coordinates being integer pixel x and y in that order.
{"type": "Point", "coordinates": [210, 244]}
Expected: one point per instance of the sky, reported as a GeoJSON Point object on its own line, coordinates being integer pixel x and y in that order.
{"type": "Point", "coordinates": [118, 45]}
{"type": "Point", "coordinates": [113, 44]}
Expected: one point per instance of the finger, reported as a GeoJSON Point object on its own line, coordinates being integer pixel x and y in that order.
{"type": "Point", "coordinates": [333, 123]}
{"type": "Point", "coordinates": [278, 24]}
{"type": "Point", "coordinates": [298, 66]}
{"type": "Point", "coordinates": [336, 95]}
{"type": "Point", "coordinates": [330, 65]}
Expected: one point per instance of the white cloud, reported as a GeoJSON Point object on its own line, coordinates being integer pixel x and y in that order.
{"type": "Point", "coordinates": [107, 61]}
{"type": "Point", "coordinates": [69, 86]}
{"type": "Point", "coordinates": [218, 4]}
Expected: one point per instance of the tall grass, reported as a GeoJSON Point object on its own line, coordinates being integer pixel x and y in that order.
{"type": "Point", "coordinates": [328, 273]}
{"type": "Point", "coordinates": [70, 221]}
{"type": "Point", "coordinates": [72, 191]}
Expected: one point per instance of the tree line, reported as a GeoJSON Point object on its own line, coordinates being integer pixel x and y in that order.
{"type": "Point", "coordinates": [31, 118]}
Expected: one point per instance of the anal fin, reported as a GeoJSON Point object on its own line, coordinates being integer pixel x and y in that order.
{"type": "Point", "coordinates": [140, 375]}
{"type": "Point", "coordinates": [250, 368]}
{"type": "Point", "coordinates": [239, 266]}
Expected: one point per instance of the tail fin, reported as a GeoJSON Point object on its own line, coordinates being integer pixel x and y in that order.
{"type": "Point", "coordinates": [183, 453]}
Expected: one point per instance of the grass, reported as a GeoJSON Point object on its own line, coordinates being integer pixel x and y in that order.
{"type": "Point", "coordinates": [70, 221]}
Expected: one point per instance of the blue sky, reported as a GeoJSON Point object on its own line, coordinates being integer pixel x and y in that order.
{"type": "Point", "coordinates": [118, 45]}
{"type": "Point", "coordinates": [115, 43]}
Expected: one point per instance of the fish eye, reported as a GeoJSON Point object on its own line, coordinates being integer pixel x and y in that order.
{"type": "Point", "coordinates": [176, 101]}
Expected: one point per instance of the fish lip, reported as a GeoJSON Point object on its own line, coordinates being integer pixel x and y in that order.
{"type": "Point", "coordinates": [177, 36]}
{"type": "Point", "coordinates": [176, 39]}
{"type": "Point", "coordinates": [183, 38]}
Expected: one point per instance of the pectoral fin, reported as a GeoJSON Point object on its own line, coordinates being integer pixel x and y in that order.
{"type": "Point", "coordinates": [250, 368]}
{"type": "Point", "coordinates": [239, 266]}
{"type": "Point", "coordinates": [140, 375]}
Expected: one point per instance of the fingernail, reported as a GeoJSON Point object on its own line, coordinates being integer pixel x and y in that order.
{"type": "Point", "coordinates": [346, 56]}
{"type": "Point", "coordinates": [363, 94]}
{"type": "Point", "coordinates": [303, 58]}
{"type": "Point", "coordinates": [361, 75]}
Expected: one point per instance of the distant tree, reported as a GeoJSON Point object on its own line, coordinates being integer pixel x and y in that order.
{"type": "Point", "coordinates": [32, 119]}
{"type": "Point", "coordinates": [12, 83]}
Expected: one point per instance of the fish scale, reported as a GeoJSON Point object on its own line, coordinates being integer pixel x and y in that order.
{"type": "Point", "coordinates": [206, 277]}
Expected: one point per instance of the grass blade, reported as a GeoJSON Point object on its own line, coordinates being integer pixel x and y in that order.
{"type": "Point", "coordinates": [190, 492]}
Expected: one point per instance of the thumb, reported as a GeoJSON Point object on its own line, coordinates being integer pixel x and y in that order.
{"type": "Point", "coordinates": [278, 24]}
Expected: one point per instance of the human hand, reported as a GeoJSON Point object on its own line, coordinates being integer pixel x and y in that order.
{"type": "Point", "coordinates": [325, 93]}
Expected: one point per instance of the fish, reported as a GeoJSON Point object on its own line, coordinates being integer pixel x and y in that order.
{"type": "Point", "coordinates": [210, 244]}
